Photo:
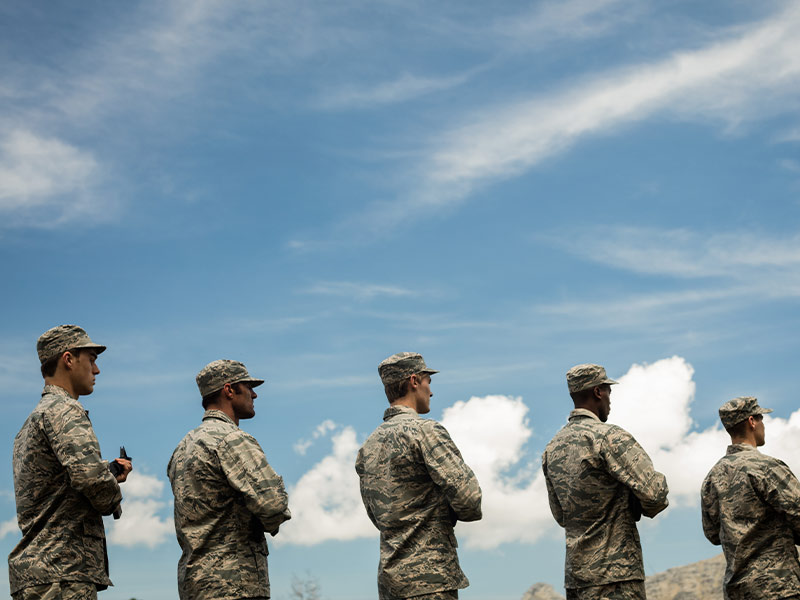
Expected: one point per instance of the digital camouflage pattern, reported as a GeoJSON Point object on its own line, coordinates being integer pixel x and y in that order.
{"type": "Point", "coordinates": [737, 410]}
{"type": "Point", "coordinates": [415, 486]}
{"type": "Point", "coordinates": [401, 366]}
{"type": "Point", "coordinates": [67, 590]}
{"type": "Point", "coordinates": [583, 377]}
{"type": "Point", "coordinates": [226, 497]}
{"type": "Point", "coordinates": [216, 374]}
{"type": "Point", "coordinates": [59, 339]}
{"type": "Point", "coordinates": [448, 595]}
{"type": "Point", "coordinates": [599, 481]}
{"type": "Point", "coordinates": [62, 487]}
{"type": "Point", "coordinates": [620, 590]}
{"type": "Point", "coordinates": [751, 506]}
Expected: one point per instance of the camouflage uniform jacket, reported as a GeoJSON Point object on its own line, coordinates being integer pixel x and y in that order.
{"type": "Point", "coordinates": [751, 506]}
{"type": "Point", "coordinates": [415, 486]}
{"type": "Point", "coordinates": [599, 482]}
{"type": "Point", "coordinates": [226, 497]}
{"type": "Point", "coordinates": [62, 488]}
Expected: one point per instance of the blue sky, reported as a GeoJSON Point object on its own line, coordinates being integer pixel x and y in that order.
{"type": "Point", "coordinates": [508, 188]}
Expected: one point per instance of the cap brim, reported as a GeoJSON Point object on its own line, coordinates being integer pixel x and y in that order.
{"type": "Point", "coordinates": [251, 380]}
{"type": "Point", "coordinates": [97, 347]}
{"type": "Point", "coordinates": [764, 411]}
{"type": "Point", "coordinates": [609, 381]}
{"type": "Point", "coordinates": [429, 371]}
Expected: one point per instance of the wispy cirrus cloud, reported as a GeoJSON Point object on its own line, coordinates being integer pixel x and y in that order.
{"type": "Point", "coordinates": [746, 74]}
{"type": "Point", "coordinates": [702, 277]}
{"type": "Point", "coordinates": [792, 135]}
{"type": "Point", "coordinates": [570, 19]}
{"type": "Point", "coordinates": [359, 291]}
{"type": "Point", "coordinates": [687, 254]}
{"type": "Point", "coordinates": [401, 89]}
{"type": "Point", "coordinates": [725, 82]}
{"type": "Point", "coordinates": [45, 181]}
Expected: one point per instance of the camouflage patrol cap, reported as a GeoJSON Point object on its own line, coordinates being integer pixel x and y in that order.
{"type": "Point", "coordinates": [54, 342]}
{"type": "Point", "coordinates": [401, 366]}
{"type": "Point", "coordinates": [583, 377]}
{"type": "Point", "coordinates": [216, 374]}
{"type": "Point", "coordinates": [737, 410]}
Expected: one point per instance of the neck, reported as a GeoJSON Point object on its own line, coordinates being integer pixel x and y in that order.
{"type": "Point", "coordinates": [749, 440]}
{"type": "Point", "coordinates": [407, 400]}
{"type": "Point", "coordinates": [590, 408]}
{"type": "Point", "coordinates": [63, 382]}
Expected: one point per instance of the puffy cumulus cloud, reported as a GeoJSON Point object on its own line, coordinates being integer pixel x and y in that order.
{"type": "Point", "coordinates": [9, 527]}
{"type": "Point", "coordinates": [326, 501]}
{"type": "Point", "coordinates": [653, 402]}
{"type": "Point", "coordinates": [141, 524]}
{"type": "Point", "coordinates": [783, 438]}
{"type": "Point", "coordinates": [491, 433]}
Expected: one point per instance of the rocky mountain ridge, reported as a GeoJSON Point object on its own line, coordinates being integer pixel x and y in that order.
{"type": "Point", "coordinates": [701, 580]}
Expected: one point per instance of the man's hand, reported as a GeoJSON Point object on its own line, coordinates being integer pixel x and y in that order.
{"type": "Point", "coordinates": [126, 467]}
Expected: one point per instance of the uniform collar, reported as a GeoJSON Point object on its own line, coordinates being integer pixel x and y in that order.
{"type": "Point", "coordinates": [735, 448]}
{"type": "Point", "coordinates": [394, 411]}
{"type": "Point", "coordinates": [57, 389]}
{"type": "Point", "coordinates": [219, 415]}
{"type": "Point", "coordinates": [583, 412]}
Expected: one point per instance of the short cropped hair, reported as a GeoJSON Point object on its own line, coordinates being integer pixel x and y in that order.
{"type": "Point", "coordinates": [49, 367]}
{"type": "Point", "coordinates": [395, 391]}
{"type": "Point", "coordinates": [213, 397]}
{"type": "Point", "coordinates": [740, 429]}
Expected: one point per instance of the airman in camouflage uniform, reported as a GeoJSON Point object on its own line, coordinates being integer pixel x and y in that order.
{"type": "Point", "coordinates": [61, 483]}
{"type": "Point", "coordinates": [599, 483]}
{"type": "Point", "coordinates": [226, 494]}
{"type": "Point", "coordinates": [751, 506]}
{"type": "Point", "coordinates": [415, 487]}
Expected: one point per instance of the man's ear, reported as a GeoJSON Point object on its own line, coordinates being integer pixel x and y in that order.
{"type": "Point", "coordinates": [596, 393]}
{"type": "Point", "coordinates": [67, 359]}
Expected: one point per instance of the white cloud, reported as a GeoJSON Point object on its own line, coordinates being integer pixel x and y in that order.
{"type": "Point", "coordinates": [9, 527]}
{"type": "Point", "coordinates": [46, 180]}
{"type": "Point", "coordinates": [326, 501]}
{"type": "Point", "coordinates": [652, 401]}
{"type": "Point", "coordinates": [301, 446]}
{"type": "Point", "coordinates": [720, 272]}
{"type": "Point", "coordinates": [140, 524]}
{"type": "Point", "coordinates": [565, 19]}
{"type": "Point", "coordinates": [359, 291]}
{"type": "Point", "coordinates": [792, 135]}
{"type": "Point", "coordinates": [746, 77]}
{"type": "Point", "coordinates": [687, 254]}
{"type": "Point", "coordinates": [404, 88]}
{"type": "Point", "coordinates": [491, 433]}
{"type": "Point", "coordinates": [790, 165]}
